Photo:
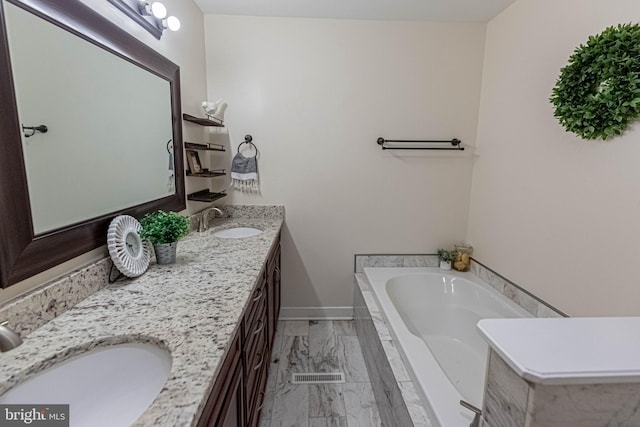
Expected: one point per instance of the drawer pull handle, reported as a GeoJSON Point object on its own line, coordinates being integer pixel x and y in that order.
{"type": "Point", "coordinates": [255, 368]}
{"type": "Point", "coordinates": [258, 330]}
{"type": "Point", "coordinates": [261, 396]}
{"type": "Point", "coordinates": [259, 295]}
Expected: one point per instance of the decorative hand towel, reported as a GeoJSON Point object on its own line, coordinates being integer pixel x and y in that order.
{"type": "Point", "coordinates": [244, 174]}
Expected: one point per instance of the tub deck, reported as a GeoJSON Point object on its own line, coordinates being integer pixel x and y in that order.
{"type": "Point", "coordinates": [431, 318]}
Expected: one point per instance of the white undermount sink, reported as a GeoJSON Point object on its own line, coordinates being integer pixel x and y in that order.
{"type": "Point", "coordinates": [110, 386]}
{"type": "Point", "coordinates": [237, 233]}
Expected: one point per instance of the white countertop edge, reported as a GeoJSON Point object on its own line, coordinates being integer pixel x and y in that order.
{"type": "Point", "coordinates": [564, 377]}
{"type": "Point", "coordinates": [579, 378]}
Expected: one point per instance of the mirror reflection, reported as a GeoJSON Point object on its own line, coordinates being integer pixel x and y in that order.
{"type": "Point", "coordinates": [108, 143]}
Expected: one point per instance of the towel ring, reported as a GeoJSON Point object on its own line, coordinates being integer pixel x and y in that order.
{"type": "Point", "coordinates": [248, 140]}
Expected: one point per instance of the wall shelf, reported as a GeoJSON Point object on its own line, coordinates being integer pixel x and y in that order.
{"type": "Point", "coordinates": [200, 121]}
{"type": "Point", "coordinates": [203, 147]}
{"type": "Point", "coordinates": [208, 173]}
{"type": "Point", "coordinates": [205, 196]}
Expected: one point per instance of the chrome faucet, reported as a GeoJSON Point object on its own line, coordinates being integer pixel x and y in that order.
{"type": "Point", "coordinates": [8, 338]}
{"type": "Point", "coordinates": [477, 413]}
{"type": "Point", "coordinates": [203, 224]}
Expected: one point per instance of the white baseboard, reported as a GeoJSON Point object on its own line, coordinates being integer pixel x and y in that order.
{"type": "Point", "coordinates": [316, 313]}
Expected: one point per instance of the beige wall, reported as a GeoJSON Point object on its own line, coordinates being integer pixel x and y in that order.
{"type": "Point", "coordinates": [315, 95]}
{"type": "Point", "coordinates": [549, 211]}
{"type": "Point", "coordinates": [185, 48]}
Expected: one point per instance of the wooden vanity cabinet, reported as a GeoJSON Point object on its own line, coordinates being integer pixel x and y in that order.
{"type": "Point", "coordinates": [256, 348]}
{"type": "Point", "coordinates": [225, 406]}
{"type": "Point", "coordinates": [238, 394]}
{"type": "Point", "coordinates": [273, 288]}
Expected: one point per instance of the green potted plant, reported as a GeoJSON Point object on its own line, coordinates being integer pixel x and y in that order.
{"type": "Point", "coordinates": [445, 258]}
{"type": "Point", "coordinates": [163, 230]}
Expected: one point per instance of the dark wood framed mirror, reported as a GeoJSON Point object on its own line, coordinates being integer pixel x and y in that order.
{"type": "Point", "coordinates": [23, 251]}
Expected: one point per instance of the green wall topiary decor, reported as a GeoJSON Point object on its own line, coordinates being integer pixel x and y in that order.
{"type": "Point", "coordinates": [597, 94]}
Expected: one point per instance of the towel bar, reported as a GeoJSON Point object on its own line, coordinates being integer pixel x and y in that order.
{"type": "Point", "coordinates": [456, 144]}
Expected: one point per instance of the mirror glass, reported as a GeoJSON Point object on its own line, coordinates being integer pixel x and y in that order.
{"type": "Point", "coordinates": [108, 144]}
{"type": "Point", "coordinates": [113, 141]}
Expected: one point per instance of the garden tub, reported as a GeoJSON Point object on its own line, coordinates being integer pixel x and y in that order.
{"type": "Point", "coordinates": [432, 316]}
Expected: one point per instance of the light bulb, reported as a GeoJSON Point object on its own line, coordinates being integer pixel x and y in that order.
{"type": "Point", "coordinates": [158, 10]}
{"type": "Point", "coordinates": [173, 23]}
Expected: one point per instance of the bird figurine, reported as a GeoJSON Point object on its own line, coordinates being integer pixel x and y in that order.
{"type": "Point", "coordinates": [215, 110]}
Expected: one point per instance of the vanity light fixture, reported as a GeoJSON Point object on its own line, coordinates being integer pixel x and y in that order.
{"type": "Point", "coordinates": [172, 23]}
{"type": "Point", "coordinates": [151, 16]}
{"type": "Point", "coordinates": [157, 9]}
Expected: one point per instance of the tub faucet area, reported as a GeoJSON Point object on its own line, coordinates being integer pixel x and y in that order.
{"type": "Point", "coordinates": [476, 411]}
{"type": "Point", "coordinates": [203, 224]}
{"type": "Point", "coordinates": [9, 339]}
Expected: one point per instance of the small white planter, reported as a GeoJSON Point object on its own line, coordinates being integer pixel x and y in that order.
{"type": "Point", "coordinates": [445, 265]}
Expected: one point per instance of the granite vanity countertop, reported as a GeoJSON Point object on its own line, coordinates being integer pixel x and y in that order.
{"type": "Point", "coordinates": [191, 308]}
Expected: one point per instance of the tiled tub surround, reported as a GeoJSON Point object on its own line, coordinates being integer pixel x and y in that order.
{"type": "Point", "coordinates": [557, 378]}
{"type": "Point", "coordinates": [398, 401]}
{"type": "Point", "coordinates": [362, 261]}
{"type": "Point", "coordinates": [529, 302]}
{"type": "Point", "coordinates": [192, 308]}
{"type": "Point", "coordinates": [28, 312]}
{"type": "Point", "coordinates": [432, 317]}
{"type": "Point", "coordinates": [396, 394]}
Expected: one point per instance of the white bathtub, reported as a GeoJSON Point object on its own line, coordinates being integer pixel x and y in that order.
{"type": "Point", "coordinates": [432, 316]}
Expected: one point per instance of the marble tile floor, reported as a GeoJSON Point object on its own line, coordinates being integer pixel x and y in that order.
{"type": "Point", "coordinates": [318, 346]}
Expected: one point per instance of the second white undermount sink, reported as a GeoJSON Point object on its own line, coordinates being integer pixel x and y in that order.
{"type": "Point", "coordinates": [109, 386]}
{"type": "Point", "coordinates": [237, 233]}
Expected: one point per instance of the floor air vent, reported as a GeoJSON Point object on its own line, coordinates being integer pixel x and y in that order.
{"type": "Point", "coordinates": [318, 378]}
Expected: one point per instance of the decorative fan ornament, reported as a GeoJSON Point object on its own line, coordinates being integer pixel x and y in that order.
{"type": "Point", "coordinates": [129, 253]}
{"type": "Point", "coordinates": [597, 95]}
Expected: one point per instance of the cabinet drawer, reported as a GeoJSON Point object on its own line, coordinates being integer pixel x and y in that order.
{"type": "Point", "coordinates": [256, 360]}
{"type": "Point", "coordinates": [221, 400]}
{"type": "Point", "coordinates": [273, 290]}
{"type": "Point", "coordinates": [258, 301]}
{"type": "Point", "coordinates": [253, 336]}
{"type": "Point", "coordinates": [254, 415]}
{"type": "Point", "coordinates": [274, 258]}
